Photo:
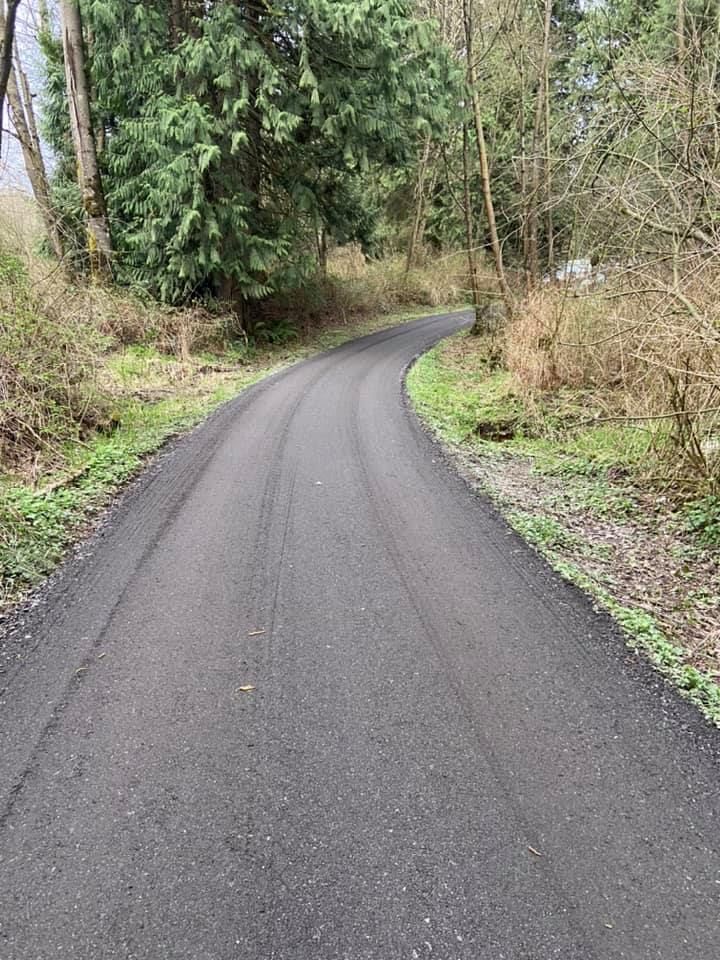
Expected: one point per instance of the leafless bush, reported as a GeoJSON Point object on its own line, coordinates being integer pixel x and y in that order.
{"type": "Point", "coordinates": [644, 354]}
{"type": "Point", "coordinates": [356, 288]}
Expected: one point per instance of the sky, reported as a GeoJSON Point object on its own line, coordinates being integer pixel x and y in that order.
{"type": "Point", "coordinates": [12, 170]}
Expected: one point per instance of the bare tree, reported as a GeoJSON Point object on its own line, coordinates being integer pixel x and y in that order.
{"type": "Point", "coordinates": [540, 166]}
{"type": "Point", "coordinates": [8, 14]}
{"type": "Point", "coordinates": [472, 83]}
{"type": "Point", "coordinates": [680, 29]}
{"type": "Point", "coordinates": [468, 217]}
{"type": "Point", "coordinates": [98, 229]}
{"type": "Point", "coordinates": [424, 187]}
{"type": "Point", "coordinates": [547, 184]}
{"type": "Point", "coordinates": [23, 119]}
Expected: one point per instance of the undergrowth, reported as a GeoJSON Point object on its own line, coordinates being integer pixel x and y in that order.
{"type": "Point", "coordinates": [48, 371]}
{"type": "Point", "coordinates": [637, 360]}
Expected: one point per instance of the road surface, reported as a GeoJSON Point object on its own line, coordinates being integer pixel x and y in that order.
{"type": "Point", "coordinates": [446, 754]}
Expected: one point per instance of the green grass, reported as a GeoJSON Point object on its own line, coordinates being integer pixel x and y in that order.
{"type": "Point", "coordinates": [702, 517]}
{"type": "Point", "coordinates": [591, 451]}
{"type": "Point", "coordinates": [453, 403]}
{"type": "Point", "coordinates": [465, 402]}
{"type": "Point", "coordinates": [543, 532]}
{"type": "Point", "coordinates": [37, 525]}
{"type": "Point", "coordinates": [39, 522]}
{"type": "Point", "coordinates": [136, 362]}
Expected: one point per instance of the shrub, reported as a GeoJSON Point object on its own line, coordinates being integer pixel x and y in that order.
{"type": "Point", "coordinates": [48, 366]}
{"type": "Point", "coordinates": [356, 288]}
{"type": "Point", "coordinates": [636, 355]}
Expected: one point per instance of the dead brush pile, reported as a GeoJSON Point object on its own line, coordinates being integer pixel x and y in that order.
{"type": "Point", "coordinates": [641, 350]}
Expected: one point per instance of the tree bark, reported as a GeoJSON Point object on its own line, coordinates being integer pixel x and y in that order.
{"type": "Point", "coordinates": [418, 220]}
{"type": "Point", "coordinates": [469, 232]}
{"type": "Point", "coordinates": [680, 30]}
{"type": "Point", "coordinates": [524, 199]}
{"type": "Point", "coordinates": [89, 179]}
{"type": "Point", "coordinates": [8, 13]}
{"type": "Point", "coordinates": [547, 178]}
{"type": "Point", "coordinates": [539, 182]}
{"type": "Point", "coordinates": [177, 22]}
{"type": "Point", "coordinates": [321, 237]}
{"type": "Point", "coordinates": [185, 20]}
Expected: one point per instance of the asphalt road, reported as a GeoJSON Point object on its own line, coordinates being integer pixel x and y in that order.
{"type": "Point", "coordinates": [447, 753]}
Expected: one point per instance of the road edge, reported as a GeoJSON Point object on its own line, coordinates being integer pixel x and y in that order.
{"type": "Point", "coordinates": [707, 709]}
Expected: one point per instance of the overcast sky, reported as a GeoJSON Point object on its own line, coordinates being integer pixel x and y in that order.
{"type": "Point", "coordinates": [12, 171]}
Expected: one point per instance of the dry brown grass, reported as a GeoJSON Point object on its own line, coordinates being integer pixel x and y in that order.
{"type": "Point", "coordinates": [357, 289]}
{"type": "Point", "coordinates": [59, 338]}
{"type": "Point", "coordinates": [645, 352]}
{"type": "Point", "coordinates": [387, 284]}
{"type": "Point", "coordinates": [20, 225]}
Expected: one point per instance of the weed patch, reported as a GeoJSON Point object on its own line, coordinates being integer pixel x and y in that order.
{"type": "Point", "coordinates": [703, 518]}
{"type": "Point", "coordinates": [49, 390]}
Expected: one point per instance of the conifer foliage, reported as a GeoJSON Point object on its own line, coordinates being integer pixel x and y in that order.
{"type": "Point", "coordinates": [232, 134]}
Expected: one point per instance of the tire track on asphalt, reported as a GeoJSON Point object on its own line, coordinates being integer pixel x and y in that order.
{"type": "Point", "coordinates": [400, 554]}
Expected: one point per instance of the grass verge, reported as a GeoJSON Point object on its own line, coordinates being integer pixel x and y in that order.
{"type": "Point", "coordinates": [581, 494]}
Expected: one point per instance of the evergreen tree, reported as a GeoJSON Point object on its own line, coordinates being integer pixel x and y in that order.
{"type": "Point", "coordinates": [233, 131]}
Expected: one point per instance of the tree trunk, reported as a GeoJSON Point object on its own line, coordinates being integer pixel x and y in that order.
{"type": "Point", "coordinates": [547, 188]}
{"type": "Point", "coordinates": [505, 291]}
{"type": "Point", "coordinates": [418, 220]}
{"type": "Point", "coordinates": [253, 176]}
{"type": "Point", "coordinates": [680, 30]}
{"type": "Point", "coordinates": [177, 22]}
{"type": "Point", "coordinates": [322, 249]}
{"type": "Point", "coordinates": [533, 263]}
{"type": "Point", "coordinates": [538, 178]}
{"type": "Point", "coordinates": [8, 13]}
{"type": "Point", "coordinates": [23, 118]}
{"type": "Point", "coordinates": [524, 199]}
{"type": "Point", "coordinates": [98, 229]}
{"type": "Point", "coordinates": [469, 232]}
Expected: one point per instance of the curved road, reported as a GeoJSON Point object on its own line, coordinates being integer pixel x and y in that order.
{"type": "Point", "coordinates": [446, 753]}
